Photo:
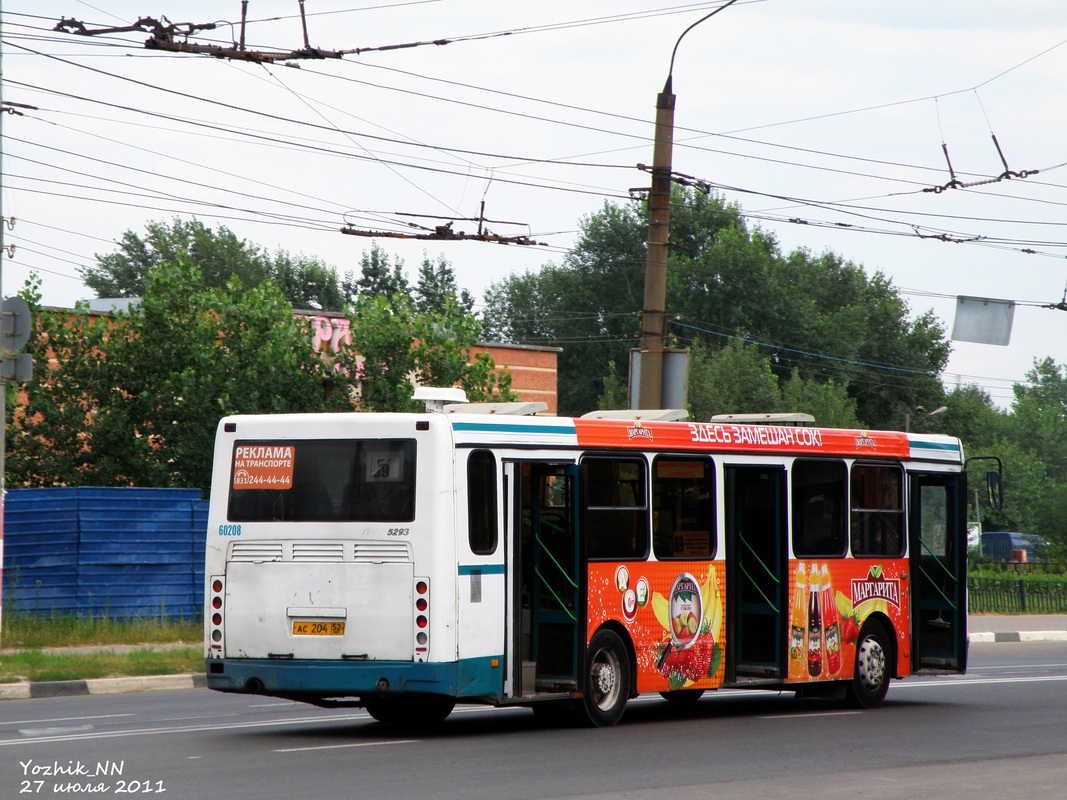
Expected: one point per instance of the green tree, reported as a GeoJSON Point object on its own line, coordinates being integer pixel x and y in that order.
{"type": "Point", "coordinates": [1029, 493]}
{"type": "Point", "coordinates": [133, 399]}
{"type": "Point", "coordinates": [241, 351]}
{"type": "Point", "coordinates": [436, 287]}
{"type": "Point", "coordinates": [394, 346]}
{"type": "Point", "coordinates": [615, 393]}
{"type": "Point", "coordinates": [1040, 414]}
{"type": "Point", "coordinates": [970, 415]}
{"type": "Point", "coordinates": [822, 316]}
{"type": "Point", "coordinates": [734, 380]}
{"type": "Point", "coordinates": [1035, 479]}
{"type": "Point", "coordinates": [587, 305]}
{"type": "Point", "coordinates": [828, 401]}
{"type": "Point", "coordinates": [219, 254]}
{"type": "Point", "coordinates": [72, 428]}
{"type": "Point", "coordinates": [378, 277]}
{"type": "Point", "coordinates": [309, 283]}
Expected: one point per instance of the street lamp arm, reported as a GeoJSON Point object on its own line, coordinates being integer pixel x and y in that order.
{"type": "Point", "coordinates": [674, 52]}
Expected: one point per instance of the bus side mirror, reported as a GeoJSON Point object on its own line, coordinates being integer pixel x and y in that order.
{"type": "Point", "coordinates": [994, 482]}
{"type": "Point", "coordinates": [995, 490]}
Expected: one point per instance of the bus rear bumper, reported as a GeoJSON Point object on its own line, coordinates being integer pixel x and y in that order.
{"type": "Point", "coordinates": [479, 678]}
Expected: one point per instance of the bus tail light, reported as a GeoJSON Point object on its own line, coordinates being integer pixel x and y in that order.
{"type": "Point", "coordinates": [216, 600]}
{"type": "Point", "coordinates": [422, 618]}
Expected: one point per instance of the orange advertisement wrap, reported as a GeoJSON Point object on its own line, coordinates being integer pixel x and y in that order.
{"type": "Point", "coordinates": [830, 601]}
{"type": "Point", "coordinates": [674, 614]}
{"type": "Point", "coordinates": [727, 437]}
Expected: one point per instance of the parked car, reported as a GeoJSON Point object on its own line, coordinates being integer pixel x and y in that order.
{"type": "Point", "coordinates": [1013, 546]}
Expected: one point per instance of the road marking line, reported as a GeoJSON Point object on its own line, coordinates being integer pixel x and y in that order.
{"type": "Point", "coordinates": [37, 732]}
{"type": "Point", "coordinates": [812, 714]}
{"type": "Point", "coordinates": [63, 719]}
{"type": "Point", "coordinates": [183, 729]}
{"type": "Point", "coordinates": [339, 746]}
{"type": "Point", "coordinates": [965, 681]}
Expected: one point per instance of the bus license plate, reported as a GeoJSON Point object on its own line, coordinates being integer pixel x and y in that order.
{"type": "Point", "coordinates": [303, 628]}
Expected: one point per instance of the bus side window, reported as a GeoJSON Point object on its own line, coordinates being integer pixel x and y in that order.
{"type": "Point", "coordinates": [818, 509]}
{"type": "Point", "coordinates": [877, 501]}
{"type": "Point", "coordinates": [683, 508]}
{"type": "Point", "coordinates": [616, 508]}
{"type": "Point", "coordinates": [481, 502]}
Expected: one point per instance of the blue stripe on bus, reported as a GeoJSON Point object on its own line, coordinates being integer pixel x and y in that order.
{"type": "Point", "coordinates": [479, 678]}
{"type": "Point", "coordinates": [943, 446]}
{"type": "Point", "coordinates": [484, 569]}
{"type": "Point", "coordinates": [505, 427]}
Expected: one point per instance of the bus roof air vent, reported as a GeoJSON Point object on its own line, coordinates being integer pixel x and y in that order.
{"type": "Point", "coordinates": [509, 409]}
{"type": "Point", "coordinates": [657, 414]}
{"type": "Point", "coordinates": [435, 397]}
{"type": "Point", "coordinates": [786, 418]}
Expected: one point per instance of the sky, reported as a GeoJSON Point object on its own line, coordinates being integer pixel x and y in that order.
{"type": "Point", "coordinates": [827, 122]}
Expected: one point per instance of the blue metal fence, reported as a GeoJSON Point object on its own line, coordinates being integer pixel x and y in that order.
{"type": "Point", "coordinates": [105, 551]}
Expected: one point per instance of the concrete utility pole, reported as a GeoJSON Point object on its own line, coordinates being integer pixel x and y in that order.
{"type": "Point", "coordinates": [654, 313]}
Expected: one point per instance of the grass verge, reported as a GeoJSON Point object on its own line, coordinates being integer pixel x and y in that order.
{"type": "Point", "coordinates": [26, 637]}
{"type": "Point", "coordinates": [31, 631]}
{"type": "Point", "coordinates": [34, 665]}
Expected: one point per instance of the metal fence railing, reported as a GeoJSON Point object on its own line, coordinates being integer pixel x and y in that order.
{"type": "Point", "coordinates": [1016, 595]}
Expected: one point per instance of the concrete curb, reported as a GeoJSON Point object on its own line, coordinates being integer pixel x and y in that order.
{"type": "Point", "coordinates": [147, 683]}
{"type": "Point", "coordinates": [1018, 636]}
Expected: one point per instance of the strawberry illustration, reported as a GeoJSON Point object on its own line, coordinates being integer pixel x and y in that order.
{"type": "Point", "coordinates": [850, 631]}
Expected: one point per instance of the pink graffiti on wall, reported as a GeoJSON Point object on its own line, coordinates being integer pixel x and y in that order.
{"type": "Point", "coordinates": [329, 333]}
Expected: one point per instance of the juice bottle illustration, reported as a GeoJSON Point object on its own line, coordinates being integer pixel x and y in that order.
{"type": "Point", "coordinates": [831, 629]}
{"type": "Point", "coordinates": [815, 632]}
{"type": "Point", "coordinates": [798, 655]}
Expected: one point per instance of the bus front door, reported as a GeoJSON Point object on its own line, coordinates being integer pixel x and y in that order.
{"type": "Point", "coordinates": [545, 580]}
{"type": "Point", "coordinates": [937, 543]}
{"type": "Point", "coordinates": [756, 580]}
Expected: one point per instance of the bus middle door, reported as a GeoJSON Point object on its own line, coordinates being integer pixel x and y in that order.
{"type": "Point", "coordinates": [755, 572]}
{"type": "Point", "coordinates": [546, 577]}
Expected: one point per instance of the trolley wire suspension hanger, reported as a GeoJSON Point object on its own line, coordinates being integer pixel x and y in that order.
{"type": "Point", "coordinates": [165, 35]}
{"type": "Point", "coordinates": [445, 232]}
{"type": "Point", "coordinates": [1060, 306]}
{"type": "Point", "coordinates": [956, 183]}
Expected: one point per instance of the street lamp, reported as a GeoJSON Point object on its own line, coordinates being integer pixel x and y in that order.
{"type": "Point", "coordinates": [922, 414]}
{"type": "Point", "coordinates": [653, 314]}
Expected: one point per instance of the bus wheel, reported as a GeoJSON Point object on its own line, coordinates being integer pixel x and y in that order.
{"type": "Point", "coordinates": [409, 712]}
{"type": "Point", "coordinates": [871, 680]}
{"type": "Point", "coordinates": [607, 679]}
{"type": "Point", "coordinates": [682, 697]}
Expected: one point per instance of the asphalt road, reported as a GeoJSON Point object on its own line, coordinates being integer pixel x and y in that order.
{"type": "Point", "coordinates": [999, 730]}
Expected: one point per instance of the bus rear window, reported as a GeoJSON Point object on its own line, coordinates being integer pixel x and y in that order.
{"type": "Point", "coordinates": [305, 480]}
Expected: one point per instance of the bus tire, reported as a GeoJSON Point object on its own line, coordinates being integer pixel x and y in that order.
{"type": "Point", "coordinates": [607, 679]}
{"type": "Point", "coordinates": [409, 712]}
{"type": "Point", "coordinates": [870, 681]}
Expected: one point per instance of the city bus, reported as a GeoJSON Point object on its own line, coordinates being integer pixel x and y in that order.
{"type": "Point", "coordinates": [478, 553]}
